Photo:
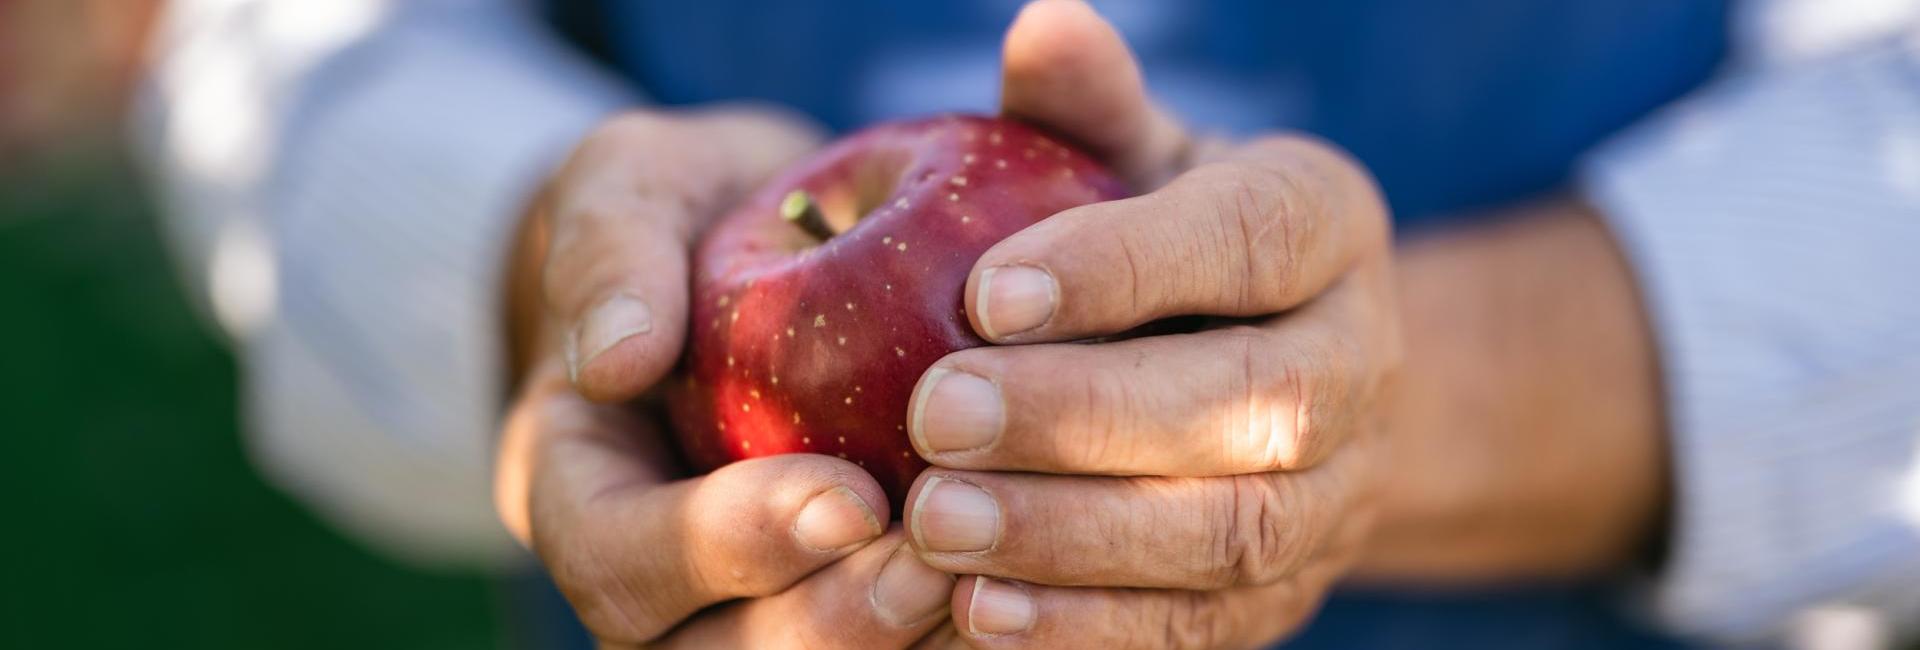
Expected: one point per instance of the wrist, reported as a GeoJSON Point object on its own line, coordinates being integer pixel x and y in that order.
{"type": "Point", "coordinates": [1525, 439]}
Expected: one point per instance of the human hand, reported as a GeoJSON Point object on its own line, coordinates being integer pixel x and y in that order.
{"type": "Point", "coordinates": [787, 551]}
{"type": "Point", "coordinates": [1190, 490]}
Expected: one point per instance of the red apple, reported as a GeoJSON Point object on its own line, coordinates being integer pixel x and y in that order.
{"type": "Point", "coordinates": [818, 302]}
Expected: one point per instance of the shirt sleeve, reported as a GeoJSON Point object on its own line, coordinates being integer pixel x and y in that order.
{"type": "Point", "coordinates": [340, 180]}
{"type": "Point", "coordinates": [1773, 222]}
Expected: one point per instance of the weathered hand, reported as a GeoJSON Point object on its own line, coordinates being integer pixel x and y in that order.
{"type": "Point", "coordinates": [774, 552]}
{"type": "Point", "coordinates": [1195, 490]}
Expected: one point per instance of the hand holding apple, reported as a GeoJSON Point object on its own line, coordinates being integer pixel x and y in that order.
{"type": "Point", "coordinates": [765, 553]}
{"type": "Point", "coordinates": [1202, 489]}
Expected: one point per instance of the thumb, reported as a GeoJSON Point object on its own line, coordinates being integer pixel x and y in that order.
{"type": "Point", "coordinates": [1064, 67]}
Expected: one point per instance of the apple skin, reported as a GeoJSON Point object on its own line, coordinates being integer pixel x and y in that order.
{"type": "Point", "coordinates": [797, 346]}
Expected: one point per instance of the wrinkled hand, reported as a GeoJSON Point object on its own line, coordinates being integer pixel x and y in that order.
{"type": "Point", "coordinates": [1191, 490]}
{"type": "Point", "coordinates": [774, 552]}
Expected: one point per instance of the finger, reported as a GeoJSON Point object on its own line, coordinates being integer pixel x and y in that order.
{"type": "Point", "coordinates": [1065, 68]}
{"type": "Point", "coordinates": [635, 556]}
{"type": "Point", "coordinates": [1236, 400]}
{"type": "Point", "coordinates": [1187, 533]}
{"type": "Point", "coordinates": [1261, 230]}
{"type": "Point", "coordinates": [621, 214]}
{"type": "Point", "coordinates": [879, 597]}
{"type": "Point", "coordinates": [992, 613]}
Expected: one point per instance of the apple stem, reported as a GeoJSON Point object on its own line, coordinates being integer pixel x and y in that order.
{"type": "Point", "coordinates": [801, 210]}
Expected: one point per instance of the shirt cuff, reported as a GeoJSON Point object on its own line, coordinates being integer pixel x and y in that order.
{"type": "Point", "coordinates": [1773, 223]}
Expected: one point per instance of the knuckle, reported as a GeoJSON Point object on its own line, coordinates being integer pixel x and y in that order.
{"type": "Point", "coordinates": [1259, 537]}
{"type": "Point", "coordinates": [1107, 404]}
{"type": "Point", "coordinates": [1194, 620]}
{"type": "Point", "coordinates": [1264, 215]}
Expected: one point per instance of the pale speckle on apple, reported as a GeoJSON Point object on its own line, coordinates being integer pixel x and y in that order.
{"type": "Point", "coordinates": [899, 352]}
{"type": "Point", "coordinates": [734, 317]}
{"type": "Point", "coordinates": [857, 389]}
{"type": "Point", "coordinates": [806, 440]}
{"type": "Point", "coordinates": [723, 426]}
{"type": "Point", "coordinates": [725, 299]}
{"type": "Point", "coordinates": [796, 417]}
{"type": "Point", "coordinates": [953, 196]}
{"type": "Point", "coordinates": [887, 239]}
{"type": "Point", "coordinates": [746, 445]}
{"type": "Point", "coordinates": [902, 247]}
{"type": "Point", "coordinates": [965, 218]}
{"type": "Point", "coordinates": [843, 340]}
{"type": "Point", "coordinates": [746, 408]}
{"type": "Point", "coordinates": [900, 203]}
{"type": "Point", "coordinates": [776, 380]}
{"type": "Point", "coordinates": [967, 159]}
{"type": "Point", "coordinates": [1000, 163]}
{"type": "Point", "coordinates": [848, 400]}
{"type": "Point", "coordinates": [849, 306]}
{"type": "Point", "coordinates": [993, 137]}
{"type": "Point", "coordinates": [754, 393]}
{"type": "Point", "coordinates": [958, 181]}
{"type": "Point", "coordinates": [819, 320]}
{"type": "Point", "coordinates": [789, 332]}
{"type": "Point", "coordinates": [729, 361]}
{"type": "Point", "coordinates": [843, 440]}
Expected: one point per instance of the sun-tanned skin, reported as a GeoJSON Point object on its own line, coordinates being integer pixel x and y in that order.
{"type": "Point", "coordinates": [1477, 405]}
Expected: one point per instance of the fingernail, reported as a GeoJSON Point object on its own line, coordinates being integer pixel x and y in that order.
{"type": "Point", "coordinates": [835, 519]}
{"type": "Point", "coordinates": [909, 591]}
{"type": "Point", "coordinates": [998, 608]}
{"type": "Point", "coordinates": [956, 410]}
{"type": "Point", "coordinates": [617, 319]}
{"type": "Point", "coordinates": [1014, 299]}
{"type": "Point", "coordinates": [955, 516]}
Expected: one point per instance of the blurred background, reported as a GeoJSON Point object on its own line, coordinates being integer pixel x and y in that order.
{"type": "Point", "coordinates": [139, 522]}
{"type": "Point", "coordinates": [146, 522]}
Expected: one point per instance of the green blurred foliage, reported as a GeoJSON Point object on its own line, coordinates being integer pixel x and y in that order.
{"type": "Point", "coordinates": [133, 518]}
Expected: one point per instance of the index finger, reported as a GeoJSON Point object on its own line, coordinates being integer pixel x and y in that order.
{"type": "Point", "coordinates": [1260, 230]}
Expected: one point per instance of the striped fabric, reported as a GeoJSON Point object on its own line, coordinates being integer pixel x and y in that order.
{"type": "Point", "coordinates": [349, 237]}
{"type": "Point", "coordinates": [1774, 224]}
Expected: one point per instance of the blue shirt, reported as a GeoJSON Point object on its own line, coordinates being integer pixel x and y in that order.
{"type": "Point", "coordinates": [1452, 104]}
